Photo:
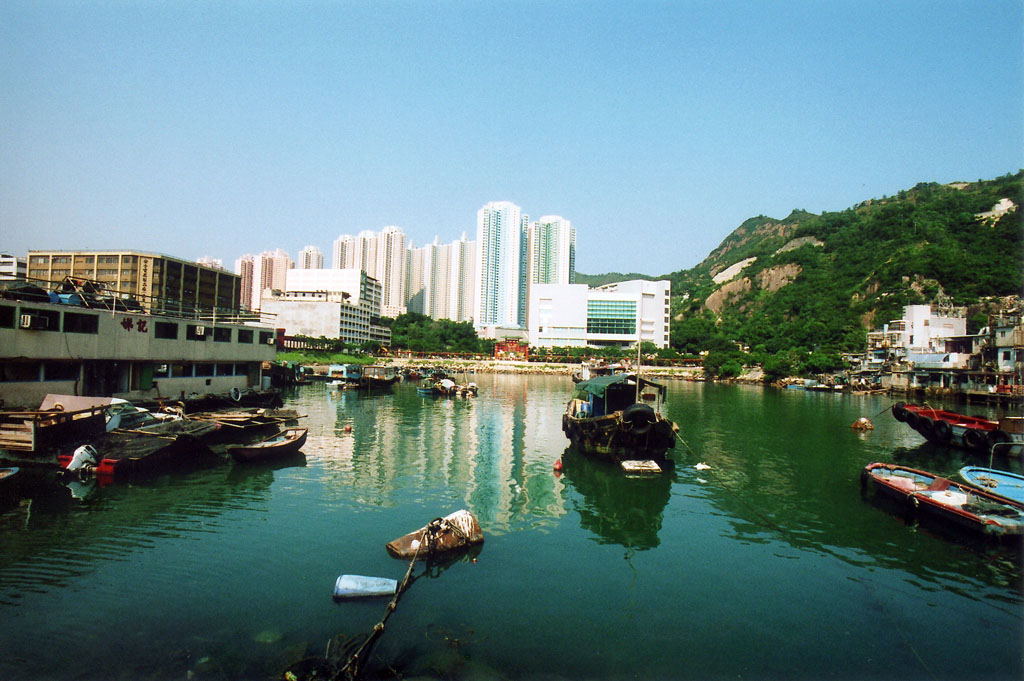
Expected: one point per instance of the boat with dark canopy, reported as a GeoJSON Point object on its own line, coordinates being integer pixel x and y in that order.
{"type": "Point", "coordinates": [618, 417]}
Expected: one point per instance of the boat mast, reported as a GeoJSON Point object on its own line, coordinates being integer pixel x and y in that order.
{"type": "Point", "coordinates": [637, 368]}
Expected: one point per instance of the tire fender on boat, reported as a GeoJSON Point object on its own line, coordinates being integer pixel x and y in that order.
{"type": "Point", "coordinates": [640, 417]}
{"type": "Point", "coordinates": [974, 439]}
{"type": "Point", "coordinates": [925, 426]}
{"type": "Point", "coordinates": [998, 436]}
{"type": "Point", "coordinates": [899, 412]}
{"type": "Point", "coordinates": [236, 394]}
{"type": "Point", "coordinates": [941, 430]}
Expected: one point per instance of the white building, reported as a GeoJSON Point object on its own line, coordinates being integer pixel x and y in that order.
{"type": "Point", "coordinates": [463, 272]}
{"type": "Point", "coordinates": [389, 270]}
{"type": "Point", "coordinates": [620, 314]}
{"type": "Point", "coordinates": [336, 303]}
{"type": "Point", "coordinates": [924, 332]}
{"type": "Point", "coordinates": [551, 244]}
{"type": "Point", "coordinates": [12, 267]}
{"type": "Point", "coordinates": [310, 258]}
{"type": "Point", "coordinates": [382, 256]}
{"type": "Point", "coordinates": [500, 279]}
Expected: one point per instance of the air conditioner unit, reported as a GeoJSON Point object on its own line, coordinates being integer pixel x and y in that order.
{"type": "Point", "coordinates": [33, 321]}
{"type": "Point", "coordinates": [271, 340]}
{"type": "Point", "coordinates": [200, 330]}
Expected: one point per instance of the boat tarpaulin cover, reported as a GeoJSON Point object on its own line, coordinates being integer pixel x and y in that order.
{"type": "Point", "coordinates": [599, 384]}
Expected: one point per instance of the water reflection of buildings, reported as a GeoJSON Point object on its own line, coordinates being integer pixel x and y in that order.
{"type": "Point", "coordinates": [496, 449]}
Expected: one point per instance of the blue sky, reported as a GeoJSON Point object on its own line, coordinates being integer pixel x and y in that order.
{"type": "Point", "coordinates": [221, 128]}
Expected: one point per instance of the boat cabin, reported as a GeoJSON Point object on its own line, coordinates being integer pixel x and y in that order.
{"type": "Point", "coordinates": [603, 395]}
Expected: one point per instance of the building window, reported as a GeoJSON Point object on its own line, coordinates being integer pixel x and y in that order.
{"type": "Point", "coordinates": [611, 317]}
{"type": "Point", "coordinates": [206, 369]}
{"type": "Point", "coordinates": [266, 337]}
{"type": "Point", "coordinates": [7, 316]}
{"type": "Point", "coordinates": [225, 369]}
{"type": "Point", "coordinates": [19, 371]}
{"type": "Point", "coordinates": [181, 370]}
{"type": "Point", "coordinates": [166, 330]}
{"type": "Point", "coordinates": [39, 320]}
{"type": "Point", "coordinates": [81, 323]}
{"type": "Point", "coordinates": [60, 371]}
{"type": "Point", "coordinates": [196, 332]}
{"type": "Point", "coordinates": [245, 335]}
{"type": "Point", "coordinates": [161, 370]}
{"type": "Point", "coordinates": [221, 335]}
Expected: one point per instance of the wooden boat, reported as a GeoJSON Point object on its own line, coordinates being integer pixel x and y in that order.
{"type": "Point", "coordinates": [589, 370]}
{"type": "Point", "coordinates": [976, 433]}
{"type": "Point", "coordinates": [617, 417]}
{"type": "Point", "coordinates": [454, 531]}
{"type": "Point", "coordinates": [958, 505]}
{"type": "Point", "coordinates": [178, 443]}
{"type": "Point", "coordinates": [8, 487]}
{"type": "Point", "coordinates": [287, 442]}
{"type": "Point", "coordinates": [378, 376]}
{"type": "Point", "coordinates": [1001, 483]}
{"type": "Point", "coordinates": [443, 387]}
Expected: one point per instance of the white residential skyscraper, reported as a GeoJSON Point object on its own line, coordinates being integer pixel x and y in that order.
{"type": "Point", "coordinates": [383, 257]}
{"type": "Point", "coordinates": [463, 267]}
{"type": "Point", "coordinates": [311, 258]}
{"type": "Point", "coordinates": [390, 269]}
{"type": "Point", "coordinates": [500, 281]}
{"type": "Point", "coordinates": [268, 270]}
{"type": "Point", "coordinates": [551, 242]}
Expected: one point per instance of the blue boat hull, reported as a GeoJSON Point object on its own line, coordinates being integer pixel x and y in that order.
{"type": "Point", "coordinates": [1001, 483]}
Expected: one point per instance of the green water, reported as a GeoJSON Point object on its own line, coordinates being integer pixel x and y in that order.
{"type": "Point", "coordinates": [769, 565]}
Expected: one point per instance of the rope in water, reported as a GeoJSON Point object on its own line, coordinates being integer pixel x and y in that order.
{"type": "Point", "coordinates": [353, 668]}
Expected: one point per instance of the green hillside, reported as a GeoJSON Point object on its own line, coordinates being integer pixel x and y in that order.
{"type": "Point", "coordinates": [801, 289]}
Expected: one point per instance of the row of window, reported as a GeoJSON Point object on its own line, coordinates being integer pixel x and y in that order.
{"type": "Point", "coordinates": [38, 319]}
{"type": "Point", "coordinates": [11, 372]}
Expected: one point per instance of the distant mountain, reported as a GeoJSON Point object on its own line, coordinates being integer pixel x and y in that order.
{"type": "Point", "coordinates": [594, 280]}
{"type": "Point", "coordinates": [820, 281]}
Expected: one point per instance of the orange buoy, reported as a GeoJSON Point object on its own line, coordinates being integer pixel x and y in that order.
{"type": "Point", "coordinates": [348, 429]}
{"type": "Point", "coordinates": [558, 465]}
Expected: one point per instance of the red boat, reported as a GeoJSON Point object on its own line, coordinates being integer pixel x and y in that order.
{"type": "Point", "coordinates": [961, 505]}
{"type": "Point", "coordinates": [976, 433]}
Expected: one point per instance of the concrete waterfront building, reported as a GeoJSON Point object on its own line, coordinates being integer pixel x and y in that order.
{"type": "Point", "coordinates": [500, 279]}
{"type": "Point", "coordinates": [620, 314]}
{"type": "Point", "coordinates": [310, 258]}
{"type": "Point", "coordinates": [160, 283]}
{"type": "Point", "coordinates": [334, 303]}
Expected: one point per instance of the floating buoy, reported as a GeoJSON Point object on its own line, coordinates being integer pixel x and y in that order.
{"type": "Point", "coordinates": [348, 429]}
{"type": "Point", "coordinates": [558, 465]}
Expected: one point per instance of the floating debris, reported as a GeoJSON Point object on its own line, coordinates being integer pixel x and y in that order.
{"type": "Point", "coordinates": [702, 466]}
{"type": "Point", "coordinates": [454, 531]}
{"type": "Point", "coordinates": [863, 423]}
{"type": "Point", "coordinates": [358, 586]}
